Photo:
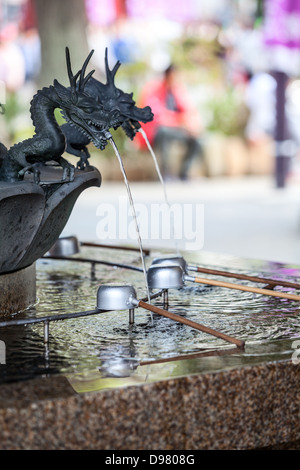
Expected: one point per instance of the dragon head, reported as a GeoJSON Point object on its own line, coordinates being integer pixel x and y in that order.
{"type": "Point", "coordinates": [120, 108]}
{"type": "Point", "coordinates": [94, 107]}
{"type": "Point", "coordinates": [79, 108]}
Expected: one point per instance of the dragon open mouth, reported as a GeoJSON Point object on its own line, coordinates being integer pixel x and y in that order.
{"type": "Point", "coordinates": [94, 131]}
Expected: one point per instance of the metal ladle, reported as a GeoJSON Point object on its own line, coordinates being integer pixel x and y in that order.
{"type": "Point", "coordinates": [65, 246]}
{"type": "Point", "coordinates": [271, 283]}
{"type": "Point", "coordinates": [174, 271]}
{"type": "Point", "coordinates": [122, 297]}
{"type": "Point", "coordinates": [117, 297]}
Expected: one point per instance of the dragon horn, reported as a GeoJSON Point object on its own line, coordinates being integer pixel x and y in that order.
{"type": "Point", "coordinates": [110, 74]}
{"type": "Point", "coordinates": [72, 78]}
{"type": "Point", "coordinates": [82, 80]}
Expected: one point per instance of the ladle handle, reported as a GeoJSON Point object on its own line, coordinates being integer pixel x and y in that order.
{"type": "Point", "coordinates": [245, 277]}
{"type": "Point", "coordinates": [255, 290]}
{"type": "Point", "coordinates": [190, 323]}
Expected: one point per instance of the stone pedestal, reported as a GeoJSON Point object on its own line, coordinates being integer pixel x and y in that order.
{"type": "Point", "coordinates": [17, 290]}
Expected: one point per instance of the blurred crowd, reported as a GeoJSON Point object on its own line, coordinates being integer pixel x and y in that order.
{"type": "Point", "coordinates": [223, 86]}
{"type": "Point", "coordinates": [20, 52]}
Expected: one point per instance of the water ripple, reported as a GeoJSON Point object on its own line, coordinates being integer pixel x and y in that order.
{"type": "Point", "coordinates": [76, 344]}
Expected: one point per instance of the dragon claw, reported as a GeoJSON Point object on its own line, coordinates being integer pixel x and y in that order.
{"type": "Point", "coordinates": [68, 173]}
{"type": "Point", "coordinates": [32, 169]}
{"type": "Point", "coordinates": [82, 163]}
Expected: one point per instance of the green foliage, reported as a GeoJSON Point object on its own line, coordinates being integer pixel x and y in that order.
{"type": "Point", "coordinates": [11, 107]}
{"type": "Point", "coordinates": [17, 118]}
{"type": "Point", "coordinates": [59, 117]}
{"type": "Point", "coordinates": [228, 114]}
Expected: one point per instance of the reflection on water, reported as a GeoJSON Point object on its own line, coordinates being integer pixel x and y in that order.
{"type": "Point", "coordinates": [108, 344]}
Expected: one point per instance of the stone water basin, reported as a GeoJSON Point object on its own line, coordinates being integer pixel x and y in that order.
{"type": "Point", "coordinates": [153, 384]}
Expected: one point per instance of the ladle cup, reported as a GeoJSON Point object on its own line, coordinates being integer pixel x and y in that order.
{"type": "Point", "coordinates": [177, 260]}
{"type": "Point", "coordinates": [168, 276]}
{"type": "Point", "coordinates": [271, 283]}
{"type": "Point", "coordinates": [122, 297]}
{"type": "Point", "coordinates": [117, 297]}
{"type": "Point", "coordinates": [65, 246]}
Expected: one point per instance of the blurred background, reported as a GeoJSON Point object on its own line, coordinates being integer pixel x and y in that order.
{"type": "Point", "coordinates": [239, 61]}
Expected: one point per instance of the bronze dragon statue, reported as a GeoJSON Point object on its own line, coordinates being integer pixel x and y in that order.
{"type": "Point", "coordinates": [90, 108]}
{"type": "Point", "coordinates": [119, 110]}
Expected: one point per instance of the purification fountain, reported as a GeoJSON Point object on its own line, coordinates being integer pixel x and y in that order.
{"type": "Point", "coordinates": [122, 348]}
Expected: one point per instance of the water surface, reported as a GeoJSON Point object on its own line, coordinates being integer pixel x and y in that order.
{"type": "Point", "coordinates": [105, 350]}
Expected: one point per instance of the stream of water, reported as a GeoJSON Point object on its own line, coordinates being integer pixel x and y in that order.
{"type": "Point", "coordinates": [150, 148]}
{"type": "Point", "coordinates": [131, 202]}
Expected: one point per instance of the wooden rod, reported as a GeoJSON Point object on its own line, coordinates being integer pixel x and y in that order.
{"type": "Point", "coordinates": [275, 282]}
{"type": "Point", "coordinates": [255, 290]}
{"type": "Point", "coordinates": [114, 247]}
{"type": "Point", "coordinates": [190, 323]}
{"type": "Point", "coordinates": [213, 353]}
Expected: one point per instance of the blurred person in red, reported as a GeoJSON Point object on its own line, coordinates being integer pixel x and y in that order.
{"type": "Point", "coordinates": [175, 119]}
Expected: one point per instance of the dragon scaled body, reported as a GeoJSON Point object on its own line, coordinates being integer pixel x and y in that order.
{"type": "Point", "coordinates": [90, 108]}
